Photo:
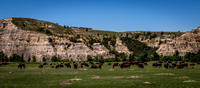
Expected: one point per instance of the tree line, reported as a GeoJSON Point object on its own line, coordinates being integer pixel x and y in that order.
{"type": "Point", "coordinates": [144, 56]}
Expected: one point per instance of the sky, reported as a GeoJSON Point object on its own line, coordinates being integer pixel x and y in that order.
{"type": "Point", "coordinates": [110, 15]}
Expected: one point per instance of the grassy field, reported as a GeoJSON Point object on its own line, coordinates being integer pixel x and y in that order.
{"type": "Point", "coordinates": [34, 77]}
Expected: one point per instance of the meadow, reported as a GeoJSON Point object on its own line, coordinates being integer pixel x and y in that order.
{"type": "Point", "coordinates": [133, 77]}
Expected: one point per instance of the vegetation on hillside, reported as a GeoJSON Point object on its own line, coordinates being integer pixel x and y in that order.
{"type": "Point", "coordinates": [137, 47]}
{"type": "Point", "coordinates": [41, 26]}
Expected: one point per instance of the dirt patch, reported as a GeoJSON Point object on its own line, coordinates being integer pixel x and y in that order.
{"type": "Point", "coordinates": [164, 74]}
{"type": "Point", "coordinates": [131, 69]}
{"type": "Point", "coordinates": [83, 69]}
{"type": "Point", "coordinates": [190, 81]}
{"type": "Point", "coordinates": [134, 77]}
{"type": "Point", "coordinates": [147, 83]}
{"type": "Point", "coordinates": [182, 77]}
{"type": "Point", "coordinates": [118, 77]}
{"type": "Point", "coordinates": [67, 82]}
{"type": "Point", "coordinates": [64, 82]}
{"type": "Point", "coordinates": [75, 79]}
{"type": "Point", "coordinates": [96, 77]}
{"type": "Point", "coordinates": [111, 69]}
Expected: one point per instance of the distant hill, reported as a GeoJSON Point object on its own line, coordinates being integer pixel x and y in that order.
{"type": "Point", "coordinates": [32, 37]}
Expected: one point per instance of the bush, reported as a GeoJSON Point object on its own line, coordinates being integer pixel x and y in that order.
{"type": "Point", "coordinates": [109, 59]}
{"type": "Point", "coordinates": [89, 58]}
{"type": "Point", "coordinates": [55, 59]}
{"type": "Point", "coordinates": [16, 58]}
{"type": "Point", "coordinates": [34, 59]}
{"type": "Point", "coordinates": [44, 59]}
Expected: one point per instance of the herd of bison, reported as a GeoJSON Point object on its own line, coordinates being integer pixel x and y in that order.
{"type": "Point", "coordinates": [140, 64]}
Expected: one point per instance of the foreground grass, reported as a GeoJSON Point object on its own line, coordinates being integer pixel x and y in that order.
{"type": "Point", "coordinates": [34, 77]}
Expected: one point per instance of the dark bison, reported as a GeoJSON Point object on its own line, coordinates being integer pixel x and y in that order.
{"type": "Point", "coordinates": [40, 66]}
{"type": "Point", "coordinates": [59, 66]}
{"type": "Point", "coordinates": [134, 62]}
{"type": "Point", "coordinates": [45, 63]}
{"type": "Point", "coordinates": [109, 64]}
{"type": "Point", "coordinates": [166, 65]}
{"type": "Point", "coordinates": [140, 65]}
{"type": "Point", "coordinates": [171, 66]}
{"type": "Point", "coordinates": [125, 65]}
{"type": "Point", "coordinates": [174, 64]}
{"type": "Point", "coordinates": [115, 64]}
{"type": "Point", "coordinates": [67, 65]}
{"type": "Point", "coordinates": [5, 63]}
{"type": "Point", "coordinates": [192, 64]}
{"type": "Point", "coordinates": [145, 63]}
{"type": "Point", "coordinates": [179, 66]}
{"type": "Point", "coordinates": [157, 64]}
{"type": "Point", "coordinates": [86, 64]}
{"type": "Point", "coordinates": [52, 66]}
{"type": "Point", "coordinates": [95, 66]}
{"type": "Point", "coordinates": [75, 65]}
{"type": "Point", "coordinates": [21, 65]}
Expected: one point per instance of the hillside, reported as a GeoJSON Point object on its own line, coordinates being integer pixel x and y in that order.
{"type": "Point", "coordinates": [31, 37]}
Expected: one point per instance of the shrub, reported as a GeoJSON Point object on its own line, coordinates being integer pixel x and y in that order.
{"type": "Point", "coordinates": [89, 58]}
{"type": "Point", "coordinates": [55, 59]}
{"type": "Point", "coordinates": [34, 59]}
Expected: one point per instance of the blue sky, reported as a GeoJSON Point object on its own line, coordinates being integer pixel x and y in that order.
{"type": "Point", "coordinates": [112, 15]}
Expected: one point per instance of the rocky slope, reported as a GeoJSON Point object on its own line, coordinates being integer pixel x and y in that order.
{"type": "Point", "coordinates": [15, 40]}
{"type": "Point", "coordinates": [188, 42]}
{"type": "Point", "coordinates": [32, 37]}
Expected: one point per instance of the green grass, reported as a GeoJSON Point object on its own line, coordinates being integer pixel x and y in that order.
{"type": "Point", "coordinates": [34, 77]}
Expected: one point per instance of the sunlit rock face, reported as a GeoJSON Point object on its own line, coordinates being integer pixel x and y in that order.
{"type": "Point", "coordinates": [14, 40]}
{"type": "Point", "coordinates": [188, 42]}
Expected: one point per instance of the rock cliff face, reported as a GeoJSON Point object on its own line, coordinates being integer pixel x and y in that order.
{"type": "Point", "coordinates": [30, 37]}
{"type": "Point", "coordinates": [188, 42]}
{"type": "Point", "coordinates": [14, 40]}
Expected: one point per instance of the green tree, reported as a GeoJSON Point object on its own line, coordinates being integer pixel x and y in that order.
{"type": "Point", "coordinates": [89, 58]}
{"type": "Point", "coordinates": [44, 59]}
{"type": "Point", "coordinates": [143, 56]}
{"type": "Point", "coordinates": [54, 59]}
{"type": "Point", "coordinates": [29, 59]}
{"type": "Point", "coordinates": [34, 59]}
{"type": "Point", "coordinates": [117, 59]}
{"type": "Point", "coordinates": [123, 56]}
{"type": "Point", "coordinates": [101, 59]}
{"type": "Point", "coordinates": [176, 56]}
{"type": "Point", "coordinates": [1, 56]}
{"type": "Point", "coordinates": [156, 56]}
{"type": "Point", "coordinates": [131, 57]}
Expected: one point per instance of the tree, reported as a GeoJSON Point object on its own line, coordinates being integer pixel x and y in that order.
{"type": "Point", "coordinates": [156, 56]}
{"type": "Point", "coordinates": [29, 59]}
{"type": "Point", "coordinates": [64, 26]}
{"type": "Point", "coordinates": [44, 59]}
{"type": "Point", "coordinates": [89, 58]}
{"type": "Point", "coordinates": [22, 58]}
{"type": "Point", "coordinates": [123, 56]}
{"type": "Point", "coordinates": [1, 56]}
{"type": "Point", "coordinates": [34, 59]}
{"type": "Point", "coordinates": [143, 56]}
{"type": "Point", "coordinates": [54, 59]}
{"type": "Point", "coordinates": [131, 57]}
{"type": "Point", "coordinates": [176, 56]}
{"type": "Point", "coordinates": [117, 59]}
{"type": "Point", "coordinates": [101, 59]}
{"type": "Point", "coordinates": [15, 58]}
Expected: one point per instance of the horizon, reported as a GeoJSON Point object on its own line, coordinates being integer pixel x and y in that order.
{"type": "Point", "coordinates": [111, 15]}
